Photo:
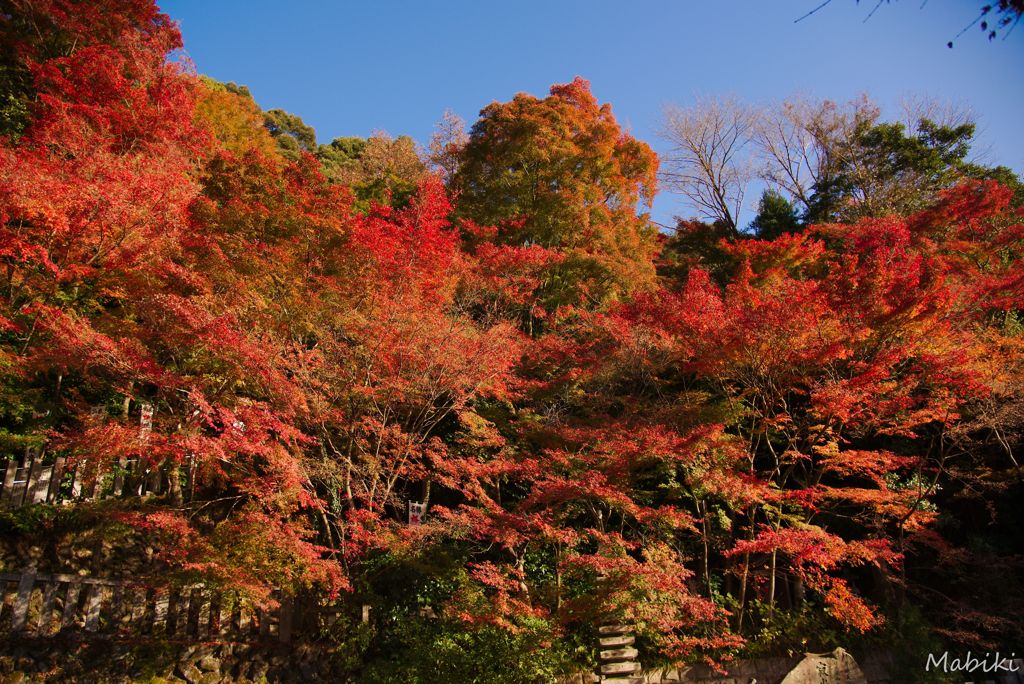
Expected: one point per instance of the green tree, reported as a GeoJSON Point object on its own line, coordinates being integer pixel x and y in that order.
{"type": "Point", "coordinates": [694, 244]}
{"type": "Point", "coordinates": [293, 135]}
{"type": "Point", "coordinates": [379, 169]}
{"type": "Point", "coordinates": [339, 153]}
{"type": "Point", "coordinates": [775, 216]}
{"type": "Point", "coordinates": [884, 169]}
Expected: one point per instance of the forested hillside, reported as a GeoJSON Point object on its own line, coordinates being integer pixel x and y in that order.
{"type": "Point", "coordinates": [763, 440]}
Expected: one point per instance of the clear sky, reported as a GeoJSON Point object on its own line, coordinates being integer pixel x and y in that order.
{"type": "Point", "coordinates": [350, 68]}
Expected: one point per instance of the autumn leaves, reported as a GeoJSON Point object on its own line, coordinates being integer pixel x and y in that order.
{"type": "Point", "coordinates": [695, 434]}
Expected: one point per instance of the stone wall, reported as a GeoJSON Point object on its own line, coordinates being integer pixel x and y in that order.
{"type": "Point", "coordinates": [158, 662]}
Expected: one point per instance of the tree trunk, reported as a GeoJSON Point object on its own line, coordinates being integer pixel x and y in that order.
{"type": "Point", "coordinates": [743, 593]}
{"type": "Point", "coordinates": [705, 533]}
{"type": "Point", "coordinates": [426, 495]}
{"type": "Point", "coordinates": [174, 484]}
{"type": "Point", "coordinates": [558, 579]}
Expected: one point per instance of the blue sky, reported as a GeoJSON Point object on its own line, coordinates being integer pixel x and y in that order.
{"type": "Point", "coordinates": [350, 68]}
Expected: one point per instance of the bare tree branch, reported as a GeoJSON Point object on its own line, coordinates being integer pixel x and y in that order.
{"type": "Point", "coordinates": [710, 161]}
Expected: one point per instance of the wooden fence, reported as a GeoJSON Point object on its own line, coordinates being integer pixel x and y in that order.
{"type": "Point", "coordinates": [29, 480]}
{"type": "Point", "coordinates": [45, 605]}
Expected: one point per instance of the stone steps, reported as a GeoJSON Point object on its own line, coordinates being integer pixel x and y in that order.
{"type": "Point", "coordinates": [616, 641]}
{"type": "Point", "coordinates": [625, 668]}
{"type": "Point", "coordinates": [618, 658]}
{"type": "Point", "coordinates": [619, 654]}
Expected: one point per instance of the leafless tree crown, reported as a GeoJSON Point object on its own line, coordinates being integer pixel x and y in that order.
{"type": "Point", "coordinates": [710, 160]}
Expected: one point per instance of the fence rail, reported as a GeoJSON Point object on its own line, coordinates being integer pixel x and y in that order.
{"type": "Point", "coordinates": [30, 480]}
{"type": "Point", "coordinates": [47, 604]}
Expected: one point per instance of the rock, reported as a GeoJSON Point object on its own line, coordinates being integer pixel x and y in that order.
{"type": "Point", "coordinates": [203, 650]}
{"type": "Point", "coordinates": [835, 666]}
{"type": "Point", "coordinates": [189, 672]}
{"type": "Point", "coordinates": [209, 664]}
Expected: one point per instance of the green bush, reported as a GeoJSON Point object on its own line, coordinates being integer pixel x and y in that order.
{"type": "Point", "coordinates": [418, 650]}
{"type": "Point", "coordinates": [26, 519]}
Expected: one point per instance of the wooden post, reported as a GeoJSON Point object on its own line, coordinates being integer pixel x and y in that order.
{"type": "Point", "coordinates": [161, 612]}
{"type": "Point", "coordinates": [183, 612]}
{"type": "Point", "coordinates": [147, 611]}
{"type": "Point", "coordinates": [173, 611]}
{"type": "Point", "coordinates": [71, 604]}
{"type": "Point", "coordinates": [35, 474]}
{"type": "Point", "coordinates": [194, 625]}
{"type": "Point", "coordinates": [20, 486]}
{"type": "Point", "coordinates": [21, 600]}
{"type": "Point", "coordinates": [216, 621]}
{"type": "Point", "coordinates": [7, 494]}
{"type": "Point", "coordinates": [56, 475]}
{"type": "Point", "coordinates": [76, 480]}
{"type": "Point", "coordinates": [264, 623]}
{"type": "Point", "coordinates": [93, 604]}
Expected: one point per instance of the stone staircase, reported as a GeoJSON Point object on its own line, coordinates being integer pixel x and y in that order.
{"type": "Point", "coordinates": [618, 657]}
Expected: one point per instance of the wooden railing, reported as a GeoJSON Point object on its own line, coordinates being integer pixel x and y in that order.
{"type": "Point", "coordinates": [30, 480]}
{"type": "Point", "coordinates": [47, 604]}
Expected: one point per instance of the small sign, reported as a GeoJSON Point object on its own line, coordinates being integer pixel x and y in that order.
{"type": "Point", "coordinates": [145, 420]}
{"type": "Point", "coordinates": [416, 513]}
